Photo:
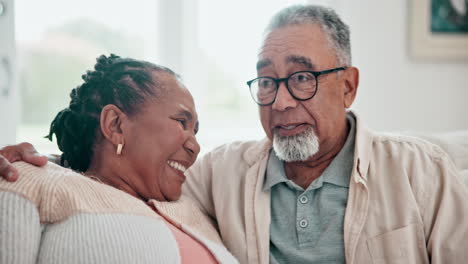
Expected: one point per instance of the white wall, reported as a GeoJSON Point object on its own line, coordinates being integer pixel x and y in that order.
{"type": "Point", "coordinates": [396, 92]}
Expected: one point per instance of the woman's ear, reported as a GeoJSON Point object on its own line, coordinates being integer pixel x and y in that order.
{"type": "Point", "coordinates": [351, 85]}
{"type": "Point", "coordinates": [112, 121]}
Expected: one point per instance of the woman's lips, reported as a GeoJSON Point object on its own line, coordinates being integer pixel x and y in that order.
{"type": "Point", "coordinates": [178, 168]}
{"type": "Point", "coordinates": [177, 165]}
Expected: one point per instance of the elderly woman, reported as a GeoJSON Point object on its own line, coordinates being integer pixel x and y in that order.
{"type": "Point", "coordinates": [130, 130]}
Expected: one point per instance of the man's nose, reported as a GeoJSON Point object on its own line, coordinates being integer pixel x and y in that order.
{"type": "Point", "coordinates": [284, 99]}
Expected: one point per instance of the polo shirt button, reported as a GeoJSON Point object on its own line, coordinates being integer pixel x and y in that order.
{"type": "Point", "coordinates": [304, 199]}
{"type": "Point", "coordinates": [303, 223]}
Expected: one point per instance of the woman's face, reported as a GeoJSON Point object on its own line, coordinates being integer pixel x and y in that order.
{"type": "Point", "coordinates": [160, 142]}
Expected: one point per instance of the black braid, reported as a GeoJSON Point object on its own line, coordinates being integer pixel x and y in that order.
{"type": "Point", "coordinates": [119, 81]}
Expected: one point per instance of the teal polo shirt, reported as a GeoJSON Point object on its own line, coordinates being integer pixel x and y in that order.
{"type": "Point", "coordinates": [307, 225]}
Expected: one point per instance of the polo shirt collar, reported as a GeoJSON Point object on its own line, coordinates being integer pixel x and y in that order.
{"type": "Point", "coordinates": [275, 171]}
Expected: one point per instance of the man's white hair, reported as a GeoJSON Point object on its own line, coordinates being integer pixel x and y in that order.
{"type": "Point", "coordinates": [299, 147]}
{"type": "Point", "coordinates": [336, 31]}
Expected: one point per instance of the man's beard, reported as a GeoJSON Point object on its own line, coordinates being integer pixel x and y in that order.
{"type": "Point", "coordinates": [299, 147]}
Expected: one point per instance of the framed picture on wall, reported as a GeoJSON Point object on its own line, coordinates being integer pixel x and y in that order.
{"type": "Point", "coordinates": [439, 29]}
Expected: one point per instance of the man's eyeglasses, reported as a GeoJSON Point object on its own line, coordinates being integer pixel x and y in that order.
{"type": "Point", "coordinates": [302, 86]}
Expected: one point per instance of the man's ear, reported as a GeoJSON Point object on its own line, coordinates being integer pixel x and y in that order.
{"type": "Point", "coordinates": [351, 78]}
{"type": "Point", "coordinates": [112, 121]}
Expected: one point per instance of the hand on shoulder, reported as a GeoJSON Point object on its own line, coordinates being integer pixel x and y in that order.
{"type": "Point", "coordinates": [20, 152]}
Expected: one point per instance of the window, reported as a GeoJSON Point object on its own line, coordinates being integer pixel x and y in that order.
{"type": "Point", "coordinates": [57, 41]}
{"type": "Point", "coordinates": [212, 44]}
{"type": "Point", "coordinates": [228, 37]}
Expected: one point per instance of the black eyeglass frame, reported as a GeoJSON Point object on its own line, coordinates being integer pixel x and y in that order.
{"type": "Point", "coordinates": [285, 80]}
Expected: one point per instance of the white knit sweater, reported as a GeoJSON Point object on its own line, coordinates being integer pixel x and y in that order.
{"type": "Point", "coordinates": [54, 215]}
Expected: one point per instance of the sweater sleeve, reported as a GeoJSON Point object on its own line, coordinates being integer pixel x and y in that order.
{"type": "Point", "coordinates": [20, 229]}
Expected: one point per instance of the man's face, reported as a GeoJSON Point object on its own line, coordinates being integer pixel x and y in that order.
{"type": "Point", "coordinates": [304, 48]}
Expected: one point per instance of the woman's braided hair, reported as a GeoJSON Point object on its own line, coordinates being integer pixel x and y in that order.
{"type": "Point", "coordinates": [123, 82]}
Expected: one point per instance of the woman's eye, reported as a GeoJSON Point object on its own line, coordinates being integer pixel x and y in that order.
{"type": "Point", "coordinates": [183, 122]}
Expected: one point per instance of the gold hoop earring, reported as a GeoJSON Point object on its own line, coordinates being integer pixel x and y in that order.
{"type": "Point", "coordinates": [119, 149]}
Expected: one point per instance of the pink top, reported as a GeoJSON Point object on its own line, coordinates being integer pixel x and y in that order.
{"type": "Point", "coordinates": [191, 251]}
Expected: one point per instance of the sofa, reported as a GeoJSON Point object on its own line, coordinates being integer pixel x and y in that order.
{"type": "Point", "coordinates": [455, 144]}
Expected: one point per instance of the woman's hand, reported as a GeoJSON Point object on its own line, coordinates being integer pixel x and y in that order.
{"type": "Point", "coordinates": [21, 152]}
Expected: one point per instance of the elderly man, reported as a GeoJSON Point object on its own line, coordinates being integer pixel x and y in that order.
{"type": "Point", "coordinates": [321, 188]}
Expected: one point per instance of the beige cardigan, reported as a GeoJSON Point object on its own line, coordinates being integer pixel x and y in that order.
{"type": "Point", "coordinates": [406, 202]}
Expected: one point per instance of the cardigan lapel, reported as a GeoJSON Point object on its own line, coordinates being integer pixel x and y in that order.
{"type": "Point", "coordinates": [257, 204]}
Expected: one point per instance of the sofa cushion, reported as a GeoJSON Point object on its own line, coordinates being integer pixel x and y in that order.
{"type": "Point", "coordinates": [454, 143]}
{"type": "Point", "coordinates": [464, 175]}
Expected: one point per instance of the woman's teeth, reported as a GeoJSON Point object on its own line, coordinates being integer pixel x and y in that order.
{"type": "Point", "coordinates": [176, 165]}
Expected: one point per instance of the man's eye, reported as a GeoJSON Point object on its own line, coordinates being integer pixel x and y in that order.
{"type": "Point", "coordinates": [302, 77]}
{"type": "Point", "coordinates": [265, 83]}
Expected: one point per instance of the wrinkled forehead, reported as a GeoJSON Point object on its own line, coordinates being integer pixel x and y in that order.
{"type": "Point", "coordinates": [305, 45]}
{"type": "Point", "coordinates": [297, 59]}
{"type": "Point", "coordinates": [184, 99]}
{"type": "Point", "coordinates": [177, 94]}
